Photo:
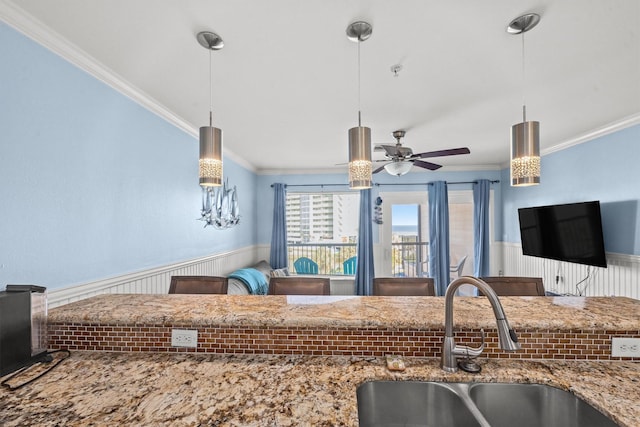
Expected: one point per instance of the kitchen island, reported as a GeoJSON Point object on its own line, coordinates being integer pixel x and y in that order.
{"type": "Point", "coordinates": [142, 389]}
{"type": "Point", "coordinates": [276, 360]}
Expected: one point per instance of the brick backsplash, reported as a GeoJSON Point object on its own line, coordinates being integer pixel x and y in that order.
{"type": "Point", "coordinates": [583, 344]}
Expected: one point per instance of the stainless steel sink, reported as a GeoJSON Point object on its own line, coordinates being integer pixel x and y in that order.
{"type": "Point", "coordinates": [412, 403]}
{"type": "Point", "coordinates": [533, 405]}
{"type": "Point", "coordinates": [418, 403]}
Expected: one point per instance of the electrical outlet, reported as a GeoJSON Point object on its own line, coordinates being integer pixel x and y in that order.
{"type": "Point", "coordinates": [625, 347]}
{"type": "Point", "coordinates": [184, 338]}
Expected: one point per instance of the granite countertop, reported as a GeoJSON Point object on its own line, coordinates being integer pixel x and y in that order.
{"type": "Point", "coordinates": [209, 390]}
{"type": "Point", "coordinates": [607, 313]}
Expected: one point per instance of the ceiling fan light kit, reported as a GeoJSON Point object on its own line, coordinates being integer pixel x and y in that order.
{"type": "Point", "coordinates": [525, 136]}
{"type": "Point", "coordinates": [360, 166]}
{"type": "Point", "coordinates": [210, 163]}
{"type": "Point", "coordinates": [398, 168]}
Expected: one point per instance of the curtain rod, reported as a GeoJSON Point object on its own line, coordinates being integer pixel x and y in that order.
{"type": "Point", "coordinates": [431, 183]}
{"type": "Point", "coordinates": [378, 185]}
{"type": "Point", "coordinates": [311, 185]}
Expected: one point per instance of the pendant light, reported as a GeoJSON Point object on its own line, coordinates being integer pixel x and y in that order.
{"type": "Point", "coordinates": [210, 164]}
{"type": "Point", "coordinates": [525, 136]}
{"type": "Point", "coordinates": [360, 166]}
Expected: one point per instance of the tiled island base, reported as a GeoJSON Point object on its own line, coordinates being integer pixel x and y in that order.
{"type": "Point", "coordinates": [536, 344]}
{"type": "Point", "coordinates": [562, 328]}
{"type": "Point", "coordinates": [142, 389]}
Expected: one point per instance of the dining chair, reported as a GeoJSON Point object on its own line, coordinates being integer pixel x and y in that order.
{"type": "Point", "coordinates": [516, 286]}
{"type": "Point", "coordinates": [299, 286]}
{"type": "Point", "coordinates": [403, 286]}
{"type": "Point", "coordinates": [198, 285]}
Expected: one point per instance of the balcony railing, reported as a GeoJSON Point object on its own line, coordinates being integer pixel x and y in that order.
{"type": "Point", "coordinates": [329, 256]}
{"type": "Point", "coordinates": [408, 259]}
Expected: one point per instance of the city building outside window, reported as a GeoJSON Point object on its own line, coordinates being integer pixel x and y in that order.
{"type": "Point", "coordinates": [322, 227]}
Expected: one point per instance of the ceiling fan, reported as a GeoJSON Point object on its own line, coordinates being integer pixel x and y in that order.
{"type": "Point", "coordinates": [399, 159]}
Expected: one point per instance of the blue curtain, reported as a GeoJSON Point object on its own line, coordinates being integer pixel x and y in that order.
{"type": "Point", "coordinates": [278, 256]}
{"type": "Point", "coordinates": [481, 191]}
{"type": "Point", "coordinates": [439, 235]}
{"type": "Point", "coordinates": [364, 266]}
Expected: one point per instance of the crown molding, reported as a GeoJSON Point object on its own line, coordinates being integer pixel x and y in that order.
{"type": "Point", "coordinates": [23, 22]}
{"type": "Point", "coordinates": [607, 129]}
{"type": "Point", "coordinates": [40, 33]}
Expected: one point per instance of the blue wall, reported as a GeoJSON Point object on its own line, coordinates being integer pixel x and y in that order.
{"type": "Point", "coordinates": [605, 169]}
{"type": "Point", "coordinates": [92, 184]}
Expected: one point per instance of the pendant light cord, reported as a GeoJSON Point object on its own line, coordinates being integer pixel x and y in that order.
{"type": "Point", "coordinates": [210, 93]}
{"type": "Point", "coordinates": [359, 115]}
{"type": "Point", "coordinates": [524, 108]}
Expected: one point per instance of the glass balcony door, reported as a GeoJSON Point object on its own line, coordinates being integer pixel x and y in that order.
{"type": "Point", "coordinates": [404, 234]}
{"type": "Point", "coordinates": [403, 250]}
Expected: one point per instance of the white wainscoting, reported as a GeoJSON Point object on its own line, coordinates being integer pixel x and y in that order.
{"type": "Point", "coordinates": [620, 278]}
{"type": "Point", "coordinates": [156, 280]}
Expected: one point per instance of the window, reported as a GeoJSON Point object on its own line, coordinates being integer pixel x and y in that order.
{"type": "Point", "coordinates": [322, 227]}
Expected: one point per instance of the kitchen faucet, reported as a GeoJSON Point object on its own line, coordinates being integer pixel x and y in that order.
{"type": "Point", "coordinates": [507, 338]}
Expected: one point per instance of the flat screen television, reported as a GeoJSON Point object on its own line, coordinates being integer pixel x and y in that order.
{"type": "Point", "coordinates": [569, 232]}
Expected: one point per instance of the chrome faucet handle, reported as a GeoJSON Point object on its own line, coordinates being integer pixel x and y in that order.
{"type": "Point", "coordinates": [469, 352]}
{"type": "Point", "coordinates": [465, 356]}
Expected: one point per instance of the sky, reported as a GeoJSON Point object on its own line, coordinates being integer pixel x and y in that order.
{"type": "Point", "coordinates": [404, 215]}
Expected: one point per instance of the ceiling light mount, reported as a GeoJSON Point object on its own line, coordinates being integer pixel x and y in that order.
{"type": "Point", "coordinates": [359, 31]}
{"type": "Point", "coordinates": [209, 40]}
{"type": "Point", "coordinates": [523, 23]}
{"type": "Point", "coordinates": [398, 135]}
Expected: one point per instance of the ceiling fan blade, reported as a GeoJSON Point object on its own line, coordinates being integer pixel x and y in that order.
{"type": "Point", "coordinates": [426, 165]}
{"type": "Point", "coordinates": [380, 169]}
{"type": "Point", "coordinates": [441, 153]}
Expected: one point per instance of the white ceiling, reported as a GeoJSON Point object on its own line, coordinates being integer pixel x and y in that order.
{"type": "Point", "coordinates": [285, 84]}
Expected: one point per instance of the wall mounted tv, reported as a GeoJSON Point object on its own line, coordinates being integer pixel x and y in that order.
{"type": "Point", "coordinates": [569, 232]}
